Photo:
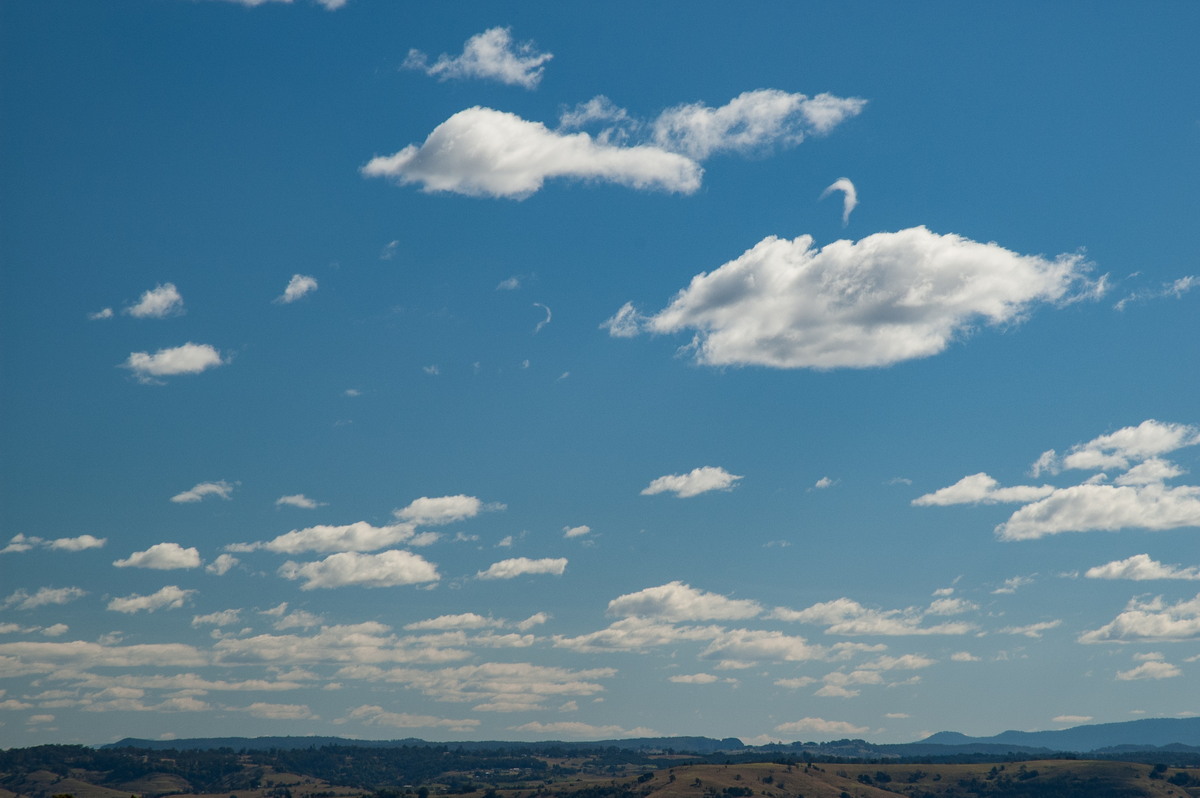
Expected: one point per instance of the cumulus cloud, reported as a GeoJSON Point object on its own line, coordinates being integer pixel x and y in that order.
{"type": "Point", "coordinates": [162, 557]}
{"type": "Point", "coordinates": [466, 620]}
{"type": "Point", "coordinates": [697, 481]}
{"type": "Point", "coordinates": [1138, 498]}
{"type": "Point", "coordinates": [262, 709]}
{"type": "Point", "coordinates": [358, 536]}
{"type": "Point", "coordinates": [821, 726]}
{"type": "Point", "coordinates": [24, 600]}
{"type": "Point", "coordinates": [884, 299]}
{"type": "Point", "coordinates": [298, 500]}
{"type": "Point", "coordinates": [1150, 620]}
{"type": "Point", "coordinates": [1141, 567]}
{"type": "Point", "coordinates": [1150, 670]}
{"type": "Point", "coordinates": [102, 314]}
{"type": "Point", "coordinates": [1072, 718]}
{"type": "Point", "coordinates": [386, 569]}
{"type": "Point", "coordinates": [676, 601]}
{"type": "Point", "coordinates": [297, 287]}
{"type": "Point", "coordinates": [158, 303]}
{"type": "Point", "coordinates": [576, 531]}
{"type": "Point", "coordinates": [199, 492]}
{"type": "Point", "coordinates": [491, 55]}
{"type": "Point", "coordinates": [750, 122]}
{"type": "Point", "coordinates": [221, 618]}
{"type": "Point", "coordinates": [849, 196]}
{"type": "Point", "coordinates": [222, 565]}
{"type": "Point", "coordinates": [846, 616]}
{"type": "Point", "coordinates": [375, 715]}
{"type": "Point", "coordinates": [189, 358]}
{"type": "Point", "coordinates": [489, 153]}
{"type": "Point", "coordinates": [442, 510]}
{"type": "Point", "coordinates": [21, 542]}
{"type": "Point", "coordinates": [520, 566]}
{"type": "Point", "coordinates": [693, 678]}
{"type": "Point", "coordinates": [170, 597]}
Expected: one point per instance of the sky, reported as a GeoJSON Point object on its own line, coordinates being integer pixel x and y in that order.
{"type": "Point", "coordinates": [540, 371]}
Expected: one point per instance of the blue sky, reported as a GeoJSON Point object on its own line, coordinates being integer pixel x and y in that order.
{"type": "Point", "coordinates": [518, 372]}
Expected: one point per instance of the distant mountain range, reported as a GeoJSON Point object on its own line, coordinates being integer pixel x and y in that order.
{"type": "Point", "coordinates": [1177, 734]}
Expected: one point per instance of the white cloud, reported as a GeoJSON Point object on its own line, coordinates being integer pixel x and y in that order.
{"type": "Point", "coordinates": [189, 358]}
{"type": "Point", "coordinates": [358, 536]}
{"type": "Point", "coordinates": [46, 596]}
{"type": "Point", "coordinates": [1140, 567]}
{"type": "Point", "coordinates": [55, 630]}
{"type": "Point", "coordinates": [375, 715]}
{"type": "Point", "coordinates": [1175, 288]}
{"type": "Point", "coordinates": [21, 542]}
{"type": "Point", "coordinates": [1072, 718]}
{"type": "Point", "coordinates": [158, 303]}
{"type": "Point", "coordinates": [824, 482]}
{"type": "Point", "coordinates": [466, 620]}
{"type": "Point", "coordinates": [750, 122]}
{"type": "Point", "coordinates": [676, 601]}
{"type": "Point", "coordinates": [884, 299]}
{"type": "Point", "coordinates": [636, 634]}
{"type": "Point", "coordinates": [485, 152]}
{"type": "Point", "coordinates": [221, 489]}
{"type": "Point", "coordinates": [509, 283]}
{"type": "Point", "coordinates": [581, 730]}
{"type": "Point", "coordinates": [298, 286]}
{"type": "Point", "coordinates": [625, 323]}
{"type": "Point", "coordinates": [521, 566]}
{"type": "Point", "coordinates": [693, 678]}
{"type": "Point", "coordinates": [1150, 670]}
{"type": "Point", "coordinates": [545, 321]}
{"type": "Point", "coordinates": [261, 709]}
{"type": "Point", "coordinates": [697, 481]}
{"type": "Point", "coordinates": [1127, 445]}
{"type": "Point", "coordinates": [1088, 507]}
{"type": "Point", "coordinates": [1012, 584]}
{"type": "Point", "coordinates": [298, 500]}
{"type": "Point", "coordinates": [442, 510]}
{"type": "Point", "coordinates": [755, 645]}
{"type": "Point", "coordinates": [576, 531]}
{"type": "Point", "coordinates": [329, 5]}
{"type": "Point", "coordinates": [821, 726]}
{"type": "Point", "coordinates": [100, 315]}
{"type": "Point", "coordinates": [386, 569]}
{"type": "Point", "coordinates": [963, 656]}
{"type": "Point", "coordinates": [491, 55]}
{"type": "Point", "coordinates": [221, 618]}
{"type": "Point", "coordinates": [222, 565]}
{"type": "Point", "coordinates": [982, 489]}
{"type": "Point", "coordinates": [845, 616]}
{"type": "Point", "coordinates": [849, 196]}
{"type": "Point", "coordinates": [1150, 620]}
{"type": "Point", "coordinates": [1031, 630]}
{"type": "Point", "coordinates": [170, 597]}
{"type": "Point", "coordinates": [162, 557]}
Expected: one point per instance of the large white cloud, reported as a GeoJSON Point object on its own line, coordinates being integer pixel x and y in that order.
{"type": "Point", "coordinates": [697, 481]}
{"type": "Point", "coordinates": [1083, 508]}
{"type": "Point", "coordinates": [386, 569]}
{"type": "Point", "coordinates": [521, 566]}
{"type": "Point", "coordinates": [189, 358]}
{"type": "Point", "coordinates": [485, 152]}
{"type": "Point", "coordinates": [1141, 567]}
{"type": "Point", "coordinates": [1150, 620]}
{"type": "Point", "coordinates": [491, 55]}
{"type": "Point", "coordinates": [750, 122]}
{"type": "Point", "coordinates": [162, 557]}
{"type": "Point", "coordinates": [1127, 445]}
{"type": "Point", "coordinates": [359, 536]}
{"type": "Point", "coordinates": [884, 299]}
{"type": "Point", "coordinates": [676, 601]}
{"type": "Point", "coordinates": [170, 597]}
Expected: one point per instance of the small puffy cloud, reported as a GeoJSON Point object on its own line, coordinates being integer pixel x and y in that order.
{"type": "Point", "coordinates": [1072, 718]}
{"type": "Point", "coordinates": [1140, 567]}
{"type": "Point", "coordinates": [221, 618]}
{"type": "Point", "coordinates": [824, 482]}
{"type": "Point", "coordinates": [298, 500]}
{"type": "Point", "coordinates": [100, 315]}
{"type": "Point", "coordinates": [1153, 669]}
{"type": "Point", "coordinates": [21, 542]}
{"type": "Point", "coordinates": [521, 566]}
{"type": "Point", "coordinates": [963, 656]}
{"type": "Point", "coordinates": [55, 630]}
{"type": "Point", "coordinates": [844, 616]}
{"type": "Point", "coordinates": [300, 285]}
{"type": "Point", "coordinates": [442, 510]}
{"type": "Point", "coordinates": [491, 55]}
{"type": "Point", "coordinates": [981, 489]}
{"type": "Point", "coordinates": [162, 557]}
{"type": "Point", "coordinates": [189, 358]}
{"type": "Point", "coordinates": [676, 601]}
{"type": "Point", "coordinates": [509, 283]}
{"type": "Point", "coordinates": [170, 597]}
{"type": "Point", "coordinates": [488, 153]}
{"type": "Point", "coordinates": [374, 715]}
{"type": "Point", "coordinates": [576, 531]}
{"type": "Point", "coordinates": [386, 569]}
{"type": "Point", "coordinates": [1012, 584]}
{"type": "Point", "coordinates": [158, 303]}
{"type": "Point", "coordinates": [359, 536]}
{"type": "Point", "coordinates": [45, 596]}
{"type": "Point", "coordinates": [821, 726]}
{"type": "Point", "coordinates": [697, 481]}
{"type": "Point", "coordinates": [849, 196]}
{"type": "Point", "coordinates": [884, 299]}
{"type": "Point", "coordinates": [466, 620]}
{"type": "Point", "coordinates": [751, 122]}
{"type": "Point", "coordinates": [693, 678]}
{"type": "Point", "coordinates": [1150, 620]}
{"type": "Point", "coordinates": [199, 492]}
{"type": "Point", "coordinates": [222, 565]}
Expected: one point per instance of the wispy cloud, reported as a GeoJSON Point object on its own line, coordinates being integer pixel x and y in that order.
{"type": "Point", "coordinates": [491, 55]}
{"type": "Point", "coordinates": [849, 197]}
{"type": "Point", "coordinates": [21, 542]}
{"type": "Point", "coordinates": [298, 500]}
{"type": "Point", "coordinates": [299, 286]}
{"type": "Point", "coordinates": [221, 489]}
{"type": "Point", "coordinates": [170, 597]}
